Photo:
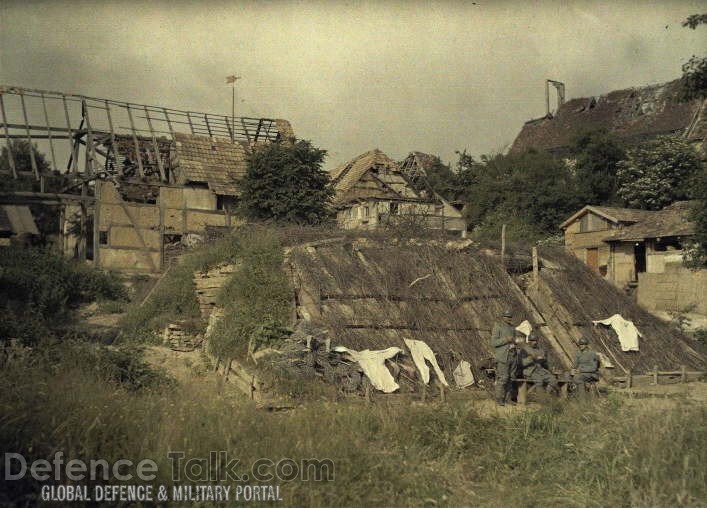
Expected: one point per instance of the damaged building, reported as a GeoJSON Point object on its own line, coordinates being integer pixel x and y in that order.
{"type": "Point", "coordinates": [632, 115]}
{"type": "Point", "coordinates": [372, 191]}
{"type": "Point", "coordinates": [146, 181]}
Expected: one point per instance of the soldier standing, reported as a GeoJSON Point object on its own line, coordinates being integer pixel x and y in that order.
{"type": "Point", "coordinates": [503, 344]}
{"type": "Point", "coordinates": [534, 362]}
{"type": "Point", "coordinates": [586, 365]}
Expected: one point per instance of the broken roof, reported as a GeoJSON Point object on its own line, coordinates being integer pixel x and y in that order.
{"type": "Point", "coordinates": [673, 220]}
{"type": "Point", "coordinates": [218, 162]}
{"type": "Point", "coordinates": [610, 213]}
{"type": "Point", "coordinates": [371, 175]}
{"type": "Point", "coordinates": [632, 114]}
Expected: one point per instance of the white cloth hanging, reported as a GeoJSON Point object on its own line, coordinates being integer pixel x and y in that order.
{"type": "Point", "coordinates": [421, 352]}
{"type": "Point", "coordinates": [525, 328]}
{"type": "Point", "coordinates": [463, 376]}
{"type": "Point", "coordinates": [373, 365]}
{"type": "Point", "coordinates": [625, 329]}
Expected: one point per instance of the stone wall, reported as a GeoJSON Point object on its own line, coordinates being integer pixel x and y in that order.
{"type": "Point", "coordinates": [677, 289]}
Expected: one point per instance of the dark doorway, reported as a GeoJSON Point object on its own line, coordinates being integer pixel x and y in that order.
{"type": "Point", "coordinates": [639, 255]}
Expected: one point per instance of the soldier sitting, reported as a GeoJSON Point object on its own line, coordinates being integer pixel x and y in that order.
{"type": "Point", "coordinates": [586, 366]}
{"type": "Point", "coordinates": [534, 363]}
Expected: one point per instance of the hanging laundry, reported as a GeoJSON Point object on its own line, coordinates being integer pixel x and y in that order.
{"type": "Point", "coordinates": [373, 365]}
{"type": "Point", "coordinates": [626, 330]}
{"type": "Point", "coordinates": [525, 328]}
{"type": "Point", "coordinates": [421, 352]}
{"type": "Point", "coordinates": [463, 376]}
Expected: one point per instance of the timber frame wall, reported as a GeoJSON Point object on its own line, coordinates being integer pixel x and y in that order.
{"type": "Point", "coordinates": [92, 140]}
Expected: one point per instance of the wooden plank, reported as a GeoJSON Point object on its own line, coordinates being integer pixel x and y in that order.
{"type": "Point", "coordinates": [32, 159]}
{"type": "Point", "coordinates": [10, 155]}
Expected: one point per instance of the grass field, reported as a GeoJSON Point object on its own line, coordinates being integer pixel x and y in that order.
{"type": "Point", "coordinates": [611, 452]}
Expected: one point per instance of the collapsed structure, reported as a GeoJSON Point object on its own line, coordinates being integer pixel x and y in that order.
{"type": "Point", "coordinates": [372, 191]}
{"type": "Point", "coordinates": [144, 180]}
{"type": "Point", "coordinates": [632, 115]}
{"type": "Point", "coordinates": [378, 294]}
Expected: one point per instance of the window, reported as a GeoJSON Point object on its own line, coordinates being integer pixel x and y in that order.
{"type": "Point", "coordinates": [394, 208]}
{"type": "Point", "coordinates": [665, 244]}
{"type": "Point", "coordinates": [103, 237]}
{"type": "Point", "coordinates": [366, 211]}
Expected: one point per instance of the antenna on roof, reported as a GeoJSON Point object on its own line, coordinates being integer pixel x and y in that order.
{"type": "Point", "coordinates": [560, 87]}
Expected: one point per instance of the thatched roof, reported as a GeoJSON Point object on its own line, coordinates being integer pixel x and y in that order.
{"type": "Point", "coordinates": [673, 220]}
{"type": "Point", "coordinates": [632, 114]}
{"type": "Point", "coordinates": [374, 294]}
{"type": "Point", "coordinates": [218, 162]}
{"type": "Point", "coordinates": [572, 296]}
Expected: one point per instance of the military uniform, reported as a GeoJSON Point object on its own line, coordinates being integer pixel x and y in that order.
{"type": "Point", "coordinates": [587, 365]}
{"type": "Point", "coordinates": [534, 363]}
{"type": "Point", "coordinates": [503, 345]}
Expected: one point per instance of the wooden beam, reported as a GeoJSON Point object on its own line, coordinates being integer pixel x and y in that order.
{"type": "Point", "coordinates": [72, 159]}
{"type": "Point", "coordinates": [10, 155]}
{"type": "Point", "coordinates": [113, 143]}
{"type": "Point", "coordinates": [156, 147]}
{"type": "Point", "coordinates": [135, 142]}
{"type": "Point", "coordinates": [32, 159]}
{"type": "Point", "coordinates": [49, 132]}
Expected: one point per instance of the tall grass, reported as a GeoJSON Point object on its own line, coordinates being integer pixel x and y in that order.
{"type": "Point", "coordinates": [385, 454]}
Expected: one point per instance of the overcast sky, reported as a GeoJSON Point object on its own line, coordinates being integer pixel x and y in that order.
{"type": "Point", "coordinates": [351, 76]}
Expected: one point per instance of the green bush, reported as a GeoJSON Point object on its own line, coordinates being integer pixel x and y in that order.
{"type": "Point", "coordinates": [258, 294]}
{"type": "Point", "coordinates": [174, 297]}
{"type": "Point", "coordinates": [39, 291]}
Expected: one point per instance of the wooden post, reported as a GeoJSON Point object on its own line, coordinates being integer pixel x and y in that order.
{"type": "Point", "coordinates": [424, 392]}
{"type": "Point", "coordinates": [97, 224]}
{"type": "Point", "coordinates": [442, 396]}
{"type": "Point", "coordinates": [536, 266]}
{"type": "Point", "coordinates": [655, 374]}
{"type": "Point", "coordinates": [32, 158]}
{"type": "Point", "coordinates": [683, 374]}
{"type": "Point", "coordinates": [564, 390]}
{"type": "Point", "coordinates": [503, 245]}
{"type": "Point", "coordinates": [629, 378]}
{"type": "Point", "coordinates": [368, 393]}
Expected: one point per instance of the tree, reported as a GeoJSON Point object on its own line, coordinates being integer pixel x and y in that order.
{"type": "Point", "coordinates": [23, 163]}
{"type": "Point", "coordinates": [694, 71]}
{"type": "Point", "coordinates": [597, 155]}
{"type": "Point", "coordinates": [697, 255]}
{"type": "Point", "coordinates": [286, 182]}
{"type": "Point", "coordinates": [657, 173]}
{"type": "Point", "coordinates": [534, 189]}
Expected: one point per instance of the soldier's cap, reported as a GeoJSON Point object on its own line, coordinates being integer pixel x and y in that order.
{"type": "Point", "coordinates": [583, 341]}
{"type": "Point", "coordinates": [508, 312]}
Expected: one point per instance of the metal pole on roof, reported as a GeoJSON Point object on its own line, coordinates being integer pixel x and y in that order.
{"type": "Point", "coordinates": [232, 81]}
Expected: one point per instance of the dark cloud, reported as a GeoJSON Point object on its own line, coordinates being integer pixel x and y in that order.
{"type": "Point", "coordinates": [400, 76]}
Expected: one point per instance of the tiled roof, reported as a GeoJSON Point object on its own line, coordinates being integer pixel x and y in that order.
{"type": "Point", "coordinates": [632, 114]}
{"type": "Point", "coordinates": [614, 214]}
{"type": "Point", "coordinates": [217, 162]}
{"type": "Point", "coordinates": [673, 220]}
